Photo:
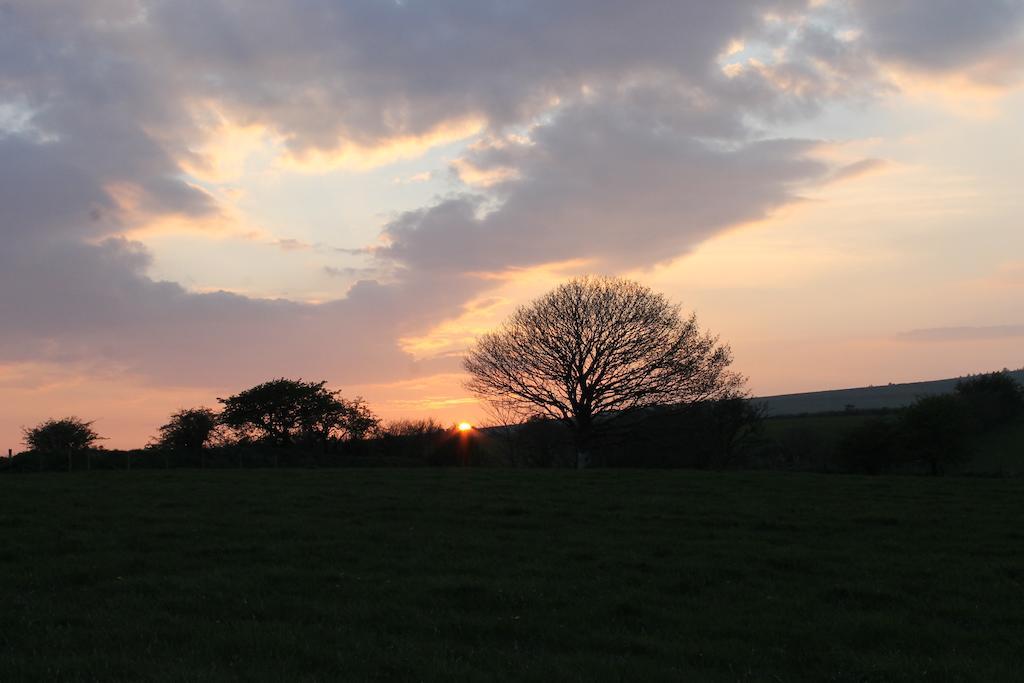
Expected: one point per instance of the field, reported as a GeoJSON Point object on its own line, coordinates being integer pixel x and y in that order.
{"type": "Point", "coordinates": [448, 574]}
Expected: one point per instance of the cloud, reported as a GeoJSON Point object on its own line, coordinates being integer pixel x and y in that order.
{"type": "Point", "coordinates": [93, 304]}
{"type": "Point", "coordinates": [957, 334]}
{"type": "Point", "coordinates": [621, 183]}
{"type": "Point", "coordinates": [292, 244]}
{"type": "Point", "coordinates": [44, 195]}
{"type": "Point", "coordinates": [937, 36]}
{"type": "Point", "coordinates": [858, 168]}
{"type": "Point", "coordinates": [421, 177]}
{"type": "Point", "coordinates": [366, 72]}
{"type": "Point", "coordinates": [607, 133]}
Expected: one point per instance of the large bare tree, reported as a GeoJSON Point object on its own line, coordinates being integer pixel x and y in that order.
{"type": "Point", "coordinates": [596, 349]}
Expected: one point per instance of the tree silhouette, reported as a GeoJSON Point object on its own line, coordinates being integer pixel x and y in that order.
{"type": "Point", "coordinates": [285, 412]}
{"type": "Point", "coordinates": [936, 428]}
{"type": "Point", "coordinates": [65, 436]}
{"type": "Point", "coordinates": [993, 399]}
{"type": "Point", "coordinates": [873, 447]}
{"type": "Point", "coordinates": [595, 349]}
{"type": "Point", "coordinates": [189, 430]}
{"type": "Point", "coordinates": [359, 421]}
{"type": "Point", "coordinates": [278, 411]}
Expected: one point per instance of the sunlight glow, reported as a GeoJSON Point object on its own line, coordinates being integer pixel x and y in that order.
{"type": "Point", "coordinates": [465, 426]}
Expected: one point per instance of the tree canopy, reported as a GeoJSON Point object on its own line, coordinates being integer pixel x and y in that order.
{"type": "Point", "coordinates": [284, 411]}
{"type": "Point", "coordinates": [66, 436]}
{"type": "Point", "coordinates": [994, 398]}
{"type": "Point", "coordinates": [61, 436]}
{"type": "Point", "coordinates": [188, 430]}
{"type": "Point", "coordinates": [596, 348]}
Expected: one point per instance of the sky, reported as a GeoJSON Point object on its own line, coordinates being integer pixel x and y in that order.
{"type": "Point", "coordinates": [200, 195]}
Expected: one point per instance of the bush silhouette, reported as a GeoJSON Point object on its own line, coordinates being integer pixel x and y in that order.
{"type": "Point", "coordinates": [935, 430]}
{"type": "Point", "coordinates": [66, 436]}
{"type": "Point", "coordinates": [993, 399]}
{"type": "Point", "coordinates": [412, 439]}
{"type": "Point", "coordinates": [873, 447]}
{"type": "Point", "coordinates": [188, 431]}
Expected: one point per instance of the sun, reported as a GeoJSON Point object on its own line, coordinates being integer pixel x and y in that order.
{"type": "Point", "coordinates": [465, 426]}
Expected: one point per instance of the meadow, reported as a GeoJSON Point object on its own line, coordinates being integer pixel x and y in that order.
{"type": "Point", "coordinates": [460, 574]}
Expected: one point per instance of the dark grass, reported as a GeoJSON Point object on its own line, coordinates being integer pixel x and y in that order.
{"type": "Point", "coordinates": [534, 575]}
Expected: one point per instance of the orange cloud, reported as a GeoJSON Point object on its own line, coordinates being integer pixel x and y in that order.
{"type": "Point", "coordinates": [963, 93]}
{"type": "Point", "coordinates": [139, 221]}
{"type": "Point", "coordinates": [440, 396]}
{"type": "Point", "coordinates": [226, 147]}
{"type": "Point", "coordinates": [511, 288]}
{"type": "Point", "coordinates": [358, 156]}
{"type": "Point", "coordinates": [478, 177]}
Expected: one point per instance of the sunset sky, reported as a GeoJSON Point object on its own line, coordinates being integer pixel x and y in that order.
{"type": "Point", "coordinates": [200, 195]}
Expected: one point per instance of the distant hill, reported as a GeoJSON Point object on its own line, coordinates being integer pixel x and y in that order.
{"type": "Point", "coordinates": [863, 398]}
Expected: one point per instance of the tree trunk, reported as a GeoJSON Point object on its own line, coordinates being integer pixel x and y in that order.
{"type": "Point", "coordinates": [583, 440]}
{"type": "Point", "coordinates": [582, 458]}
{"type": "Point", "coordinates": [69, 460]}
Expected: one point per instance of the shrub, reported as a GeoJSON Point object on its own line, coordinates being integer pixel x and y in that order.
{"type": "Point", "coordinates": [66, 436]}
{"type": "Point", "coordinates": [993, 399]}
{"type": "Point", "coordinates": [873, 447]}
{"type": "Point", "coordinates": [413, 439]}
{"type": "Point", "coordinates": [935, 431]}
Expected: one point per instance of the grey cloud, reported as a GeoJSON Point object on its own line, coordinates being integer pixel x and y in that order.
{"type": "Point", "coordinates": [940, 35]}
{"type": "Point", "coordinates": [70, 293]}
{"type": "Point", "coordinates": [96, 104]}
{"type": "Point", "coordinates": [605, 182]}
{"type": "Point", "coordinates": [367, 70]}
{"type": "Point", "coordinates": [71, 302]}
{"type": "Point", "coordinates": [660, 155]}
{"type": "Point", "coordinates": [42, 194]}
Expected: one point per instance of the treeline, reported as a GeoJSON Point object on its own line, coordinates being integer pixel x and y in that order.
{"type": "Point", "coordinates": [291, 423]}
{"type": "Point", "coordinates": [935, 431]}
{"type": "Point", "coordinates": [405, 443]}
{"type": "Point", "coordinates": [711, 434]}
{"type": "Point", "coordinates": [934, 435]}
{"type": "Point", "coordinates": [282, 421]}
{"type": "Point", "coordinates": [978, 428]}
{"type": "Point", "coordinates": [279, 423]}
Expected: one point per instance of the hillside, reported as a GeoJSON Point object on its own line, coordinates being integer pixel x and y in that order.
{"type": "Point", "coordinates": [862, 398]}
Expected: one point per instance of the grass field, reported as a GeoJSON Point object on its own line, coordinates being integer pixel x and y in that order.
{"type": "Point", "coordinates": [483, 574]}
